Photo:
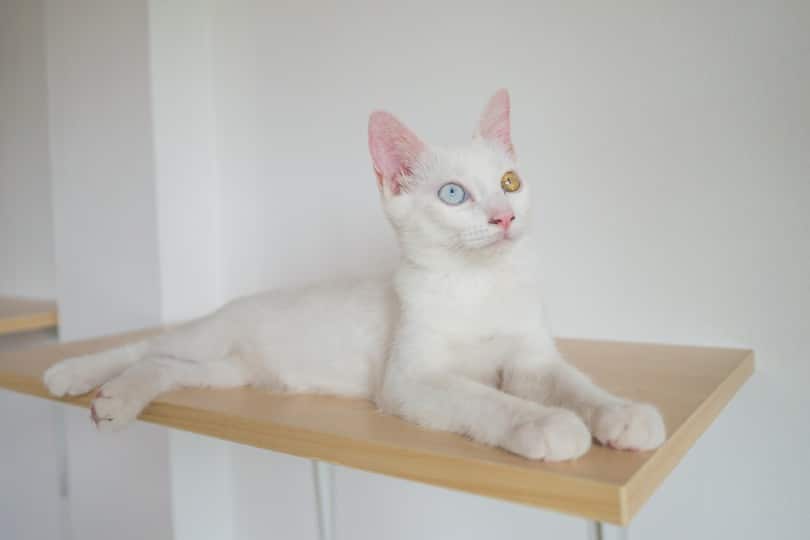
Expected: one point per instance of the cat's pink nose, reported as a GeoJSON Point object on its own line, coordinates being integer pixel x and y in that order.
{"type": "Point", "coordinates": [503, 220]}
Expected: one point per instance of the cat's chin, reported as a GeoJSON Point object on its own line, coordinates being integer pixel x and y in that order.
{"type": "Point", "coordinates": [498, 246]}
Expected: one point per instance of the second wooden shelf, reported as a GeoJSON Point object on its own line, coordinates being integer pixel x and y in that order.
{"type": "Point", "coordinates": [24, 315]}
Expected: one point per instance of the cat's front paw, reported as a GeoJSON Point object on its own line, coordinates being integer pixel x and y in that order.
{"type": "Point", "coordinates": [629, 426]}
{"type": "Point", "coordinates": [558, 436]}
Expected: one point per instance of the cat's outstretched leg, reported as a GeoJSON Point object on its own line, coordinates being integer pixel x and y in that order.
{"type": "Point", "coordinates": [203, 340]}
{"type": "Point", "coordinates": [120, 400]}
{"type": "Point", "coordinates": [450, 402]}
{"type": "Point", "coordinates": [418, 388]}
{"type": "Point", "coordinates": [80, 374]}
{"type": "Point", "coordinates": [199, 353]}
{"type": "Point", "coordinates": [613, 421]}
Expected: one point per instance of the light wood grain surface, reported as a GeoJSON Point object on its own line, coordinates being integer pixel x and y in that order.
{"type": "Point", "coordinates": [24, 315]}
{"type": "Point", "coordinates": [690, 385]}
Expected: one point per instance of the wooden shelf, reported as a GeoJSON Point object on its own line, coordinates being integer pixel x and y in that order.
{"type": "Point", "coordinates": [24, 315]}
{"type": "Point", "coordinates": [690, 385]}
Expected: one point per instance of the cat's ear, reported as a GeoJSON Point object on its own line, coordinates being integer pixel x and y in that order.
{"type": "Point", "coordinates": [495, 124]}
{"type": "Point", "coordinates": [394, 149]}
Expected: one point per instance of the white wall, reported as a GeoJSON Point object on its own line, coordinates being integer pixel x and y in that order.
{"type": "Point", "coordinates": [669, 148]}
{"type": "Point", "coordinates": [29, 469]}
{"type": "Point", "coordinates": [106, 246]}
{"type": "Point", "coordinates": [26, 244]}
{"type": "Point", "coordinates": [26, 267]}
{"type": "Point", "coordinates": [125, 115]}
{"type": "Point", "coordinates": [187, 187]}
{"type": "Point", "coordinates": [102, 166]}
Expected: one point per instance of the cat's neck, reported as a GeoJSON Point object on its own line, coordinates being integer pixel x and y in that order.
{"type": "Point", "coordinates": [497, 258]}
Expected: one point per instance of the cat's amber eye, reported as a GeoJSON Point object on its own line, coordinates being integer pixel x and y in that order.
{"type": "Point", "coordinates": [510, 182]}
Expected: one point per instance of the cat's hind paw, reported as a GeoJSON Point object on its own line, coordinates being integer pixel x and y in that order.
{"type": "Point", "coordinates": [69, 378]}
{"type": "Point", "coordinates": [629, 426]}
{"type": "Point", "coordinates": [111, 412]}
{"type": "Point", "coordinates": [558, 436]}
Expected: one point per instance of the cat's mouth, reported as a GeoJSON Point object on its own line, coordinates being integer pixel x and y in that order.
{"type": "Point", "coordinates": [507, 235]}
{"type": "Point", "coordinates": [505, 240]}
{"type": "Point", "coordinates": [483, 238]}
{"type": "Point", "coordinates": [499, 240]}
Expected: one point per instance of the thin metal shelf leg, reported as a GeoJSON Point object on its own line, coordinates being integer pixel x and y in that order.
{"type": "Point", "coordinates": [602, 531]}
{"type": "Point", "coordinates": [324, 476]}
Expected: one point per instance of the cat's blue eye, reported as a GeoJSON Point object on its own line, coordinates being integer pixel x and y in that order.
{"type": "Point", "coordinates": [452, 194]}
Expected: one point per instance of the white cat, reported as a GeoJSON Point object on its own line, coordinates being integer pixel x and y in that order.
{"type": "Point", "coordinates": [454, 340]}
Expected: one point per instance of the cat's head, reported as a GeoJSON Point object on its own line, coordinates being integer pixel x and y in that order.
{"type": "Point", "coordinates": [467, 201]}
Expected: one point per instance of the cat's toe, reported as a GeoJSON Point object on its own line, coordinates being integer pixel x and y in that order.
{"type": "Point", "coordinates": [112, 412]}
{"type": "Point", "coordinates": [63, 379]}
{"type": "Point", "coordinates": [629, 426]}
{"type": "Point", "coordinates": [558, 436]}
{"type": "Point", "coordinates": [57, 380]}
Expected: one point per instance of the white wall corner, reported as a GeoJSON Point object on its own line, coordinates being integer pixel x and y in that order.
{"type": "Point", "coordinates": [186, 180]}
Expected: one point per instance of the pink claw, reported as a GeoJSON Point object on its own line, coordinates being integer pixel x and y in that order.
{"type": "Point", "coordinates": [93, 414]}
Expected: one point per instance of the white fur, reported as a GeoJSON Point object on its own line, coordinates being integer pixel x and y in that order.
{"type": "Point", "coordinates": [453, 340]}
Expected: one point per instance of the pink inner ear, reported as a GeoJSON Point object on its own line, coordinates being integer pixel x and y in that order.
{"type": "Point", "coordinates": [494, 124]}
{"type": "Point", "coordinates": [394, 149]}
